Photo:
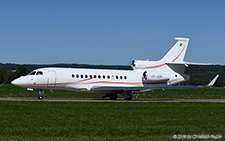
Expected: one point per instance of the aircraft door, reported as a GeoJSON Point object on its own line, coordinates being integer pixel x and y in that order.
{"type": "Point", "coordinates": [51, 79]}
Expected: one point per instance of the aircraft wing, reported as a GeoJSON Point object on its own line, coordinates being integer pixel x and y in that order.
{"type": "Point", "coordinates": [139, 89]}
{"type": "Point", "coordinates": [145, 89]}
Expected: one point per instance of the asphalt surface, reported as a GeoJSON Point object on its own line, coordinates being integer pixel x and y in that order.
{"type": "Point", "coordinates": [107, 100]}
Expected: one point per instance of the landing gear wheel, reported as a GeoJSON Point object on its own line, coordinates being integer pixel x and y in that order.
{"type": "Point", "coordinates": [113, 96]}
{"type": "Point", "coordinates": [40, 97]}
{"type": "Point", "coordinates": [127, 96]}
{"type": "Point", "coordinates": [40, 94]}
{"type": "Point", "coordinates": [130, 98]}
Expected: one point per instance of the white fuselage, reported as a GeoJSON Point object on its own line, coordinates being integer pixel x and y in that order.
{"type": "Point", "coordinates": [144, 76]}
{"type": "Point", "coordinates": [85, 79]}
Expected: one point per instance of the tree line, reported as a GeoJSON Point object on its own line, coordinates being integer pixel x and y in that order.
{"type": "Point", "coordinates": [9, 72]}
{"type": "Point", "coordinates": [200, 75]}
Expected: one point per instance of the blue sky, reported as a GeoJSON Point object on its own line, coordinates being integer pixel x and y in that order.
{"type": "Point", "coordinates": [109, 31]}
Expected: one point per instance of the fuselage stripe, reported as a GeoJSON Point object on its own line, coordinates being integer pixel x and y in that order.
{"type": "Point", "coordinates": [102, 82]}
{"type": "Point", "coordinates": [153, 67]}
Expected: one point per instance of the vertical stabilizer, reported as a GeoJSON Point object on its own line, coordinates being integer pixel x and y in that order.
{"type": "Point", "coordinates": [177, 52]}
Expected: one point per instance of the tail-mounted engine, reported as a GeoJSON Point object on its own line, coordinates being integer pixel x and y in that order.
{"type": "Point", "coordinates": [142, 64]}
{"type": "Point", "coordinates": [149, 76]}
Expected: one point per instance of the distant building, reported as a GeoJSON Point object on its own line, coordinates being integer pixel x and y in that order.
{"type": "Point", "coordinates": [13, 71]}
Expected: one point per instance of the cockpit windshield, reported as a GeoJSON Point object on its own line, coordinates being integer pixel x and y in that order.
{"type": "Point", "coordinates": [36, 73]}
{"type": "Point", "coordinates": [32, 73]}
{"type": "Point", "coordinates": [39, 73]}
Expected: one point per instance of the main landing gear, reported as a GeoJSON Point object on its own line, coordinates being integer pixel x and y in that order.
{"type": "Point", "coordinates": [111, 96]}
{"type": "Point", "coordinates": [126, 96]}
{"type": "Point", "coordinates": [41, 92]}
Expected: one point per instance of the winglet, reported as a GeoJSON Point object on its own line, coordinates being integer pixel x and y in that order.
{"type": "Point", "coordinates": [213, 81]}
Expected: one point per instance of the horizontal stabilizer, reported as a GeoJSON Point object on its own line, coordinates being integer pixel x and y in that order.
{"type": "Point", "coordinates": [187, 63]}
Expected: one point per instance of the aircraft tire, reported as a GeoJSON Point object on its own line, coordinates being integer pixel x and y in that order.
{"type": "Point", "coordinates": [113, 96]}
{"type": "Point", "coordinates": [40, 97]}
{"type": "Point", "coordinates": [129, 97]}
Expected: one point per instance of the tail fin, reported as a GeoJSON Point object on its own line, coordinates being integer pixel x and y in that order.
{"type": "Point", "coordinates": [177, 52]}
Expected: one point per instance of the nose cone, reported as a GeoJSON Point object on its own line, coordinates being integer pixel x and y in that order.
{"type": "Point", "coordinates": [16, 82]}
{"type": "Point", "coordinates": [23, 81]}
{"type": "Point", "coordinates": [19, 82]}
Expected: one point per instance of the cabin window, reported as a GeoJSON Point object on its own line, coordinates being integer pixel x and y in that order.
{"type": "Point", "coordinates": [86, 76]}
{"type": "Point", "coordinates": [125, 77]}
{"type": "Point", "coordinates": [77, 76]}
{"type": "Point", "coordinates": [99, 76]}
{"type": "Point", "coordinates": [90, 76]}
{"type": "Point", "coordinates": [72, 75]}
{"type": "Point", "coordinates": [39, 73]}
{"type": "Point", "coordinates": [32, 73]}
{"type": "Point", "coordinates": [117, 77]}
{"type": "Point", "coordinates": [103, 76]}
{"type": "Point", "coordinates": [121, 77]}
{"type": "Point", "coordinates": [81, 76]}
{"type": "Point", "coordinates": [108, 77]}
{"type": "Point", "coordinates": [95, 76]}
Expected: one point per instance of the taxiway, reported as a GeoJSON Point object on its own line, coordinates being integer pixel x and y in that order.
{"type": "Point", "coordinates": [107, 100]}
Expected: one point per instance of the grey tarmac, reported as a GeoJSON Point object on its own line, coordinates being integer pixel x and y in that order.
{"type": "Point", "coordinates": [107, 100]}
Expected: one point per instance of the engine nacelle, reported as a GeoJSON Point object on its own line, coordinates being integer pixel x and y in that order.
{"type": "Point", "coordinates": [149, 76]}
{"type": "Point", "coordinates": [141, 64]}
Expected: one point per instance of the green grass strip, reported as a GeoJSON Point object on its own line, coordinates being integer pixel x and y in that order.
{"type": "Point", "coordinates": [108, 120]}
{"type": "Point", "coordinates": [200, 93]}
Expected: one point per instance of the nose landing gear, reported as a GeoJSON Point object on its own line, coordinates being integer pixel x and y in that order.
{"type": "Point", "coordinates": [41, 92]}
{"type": "Point", "coordinates": [40, 97]}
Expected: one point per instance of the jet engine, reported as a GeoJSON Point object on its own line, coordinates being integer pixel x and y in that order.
{"type": "Point", "coordinates": [141, 64]}
{"type": "Point", "coordinates": [149, 76]}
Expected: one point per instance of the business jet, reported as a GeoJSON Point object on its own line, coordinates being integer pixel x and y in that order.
{"type": "Point", "coordinates": [145, 76]}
